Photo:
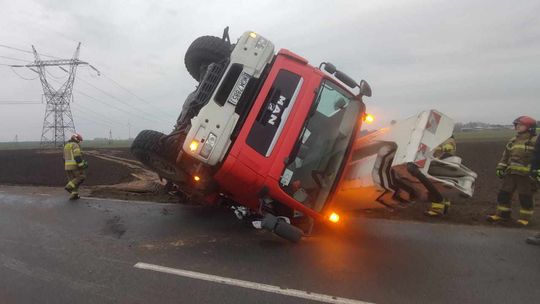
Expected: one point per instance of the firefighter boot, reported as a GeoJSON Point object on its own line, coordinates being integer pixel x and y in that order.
{"type": "Point", "coordinates": [525, 217]}
{"type": "Point", "coordinates": [534, 240]}
{"type": "Point", "coordinates": [74, 195]}
{"type": "Point", "coordinates": [438, 209]}
{"type": "Point", "coordinates": [504, 212]}
{"type": "Point", "coordinates": [526, 211]}
{"type": "Point", "coordinates": [502, 215]}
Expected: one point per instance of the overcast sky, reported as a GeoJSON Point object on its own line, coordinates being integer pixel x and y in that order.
{"type": "Point", "coordinates": [472, 60]}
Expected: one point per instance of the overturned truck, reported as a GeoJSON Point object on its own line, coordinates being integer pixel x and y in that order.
{"type": "Point", "coordinates": [278, 140]}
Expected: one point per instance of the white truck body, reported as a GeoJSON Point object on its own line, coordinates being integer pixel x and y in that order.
{"type": "Point", "coordinates": [381, 171]}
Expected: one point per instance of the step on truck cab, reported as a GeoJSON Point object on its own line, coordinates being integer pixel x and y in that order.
{"type": "Point", "coordinates": [264, 131]}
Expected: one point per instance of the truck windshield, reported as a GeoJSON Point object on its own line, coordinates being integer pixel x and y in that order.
{"type": "Point", "coordinates": [321, 146]}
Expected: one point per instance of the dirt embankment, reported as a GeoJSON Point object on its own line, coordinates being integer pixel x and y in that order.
{"type": "Point", "coordinates": [46, 168]}
{"type": "Point", "coordinates": [120, 176]}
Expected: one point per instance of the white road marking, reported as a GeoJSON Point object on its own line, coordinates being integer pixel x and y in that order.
{"type": "Point", "coordinates": [250, 285]}
{"type": "Point", "coordinates": [43, 194]}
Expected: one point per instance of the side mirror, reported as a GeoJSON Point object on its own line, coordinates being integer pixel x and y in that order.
{"type": "Point", "coordinates": [365, 89]}
{"type": "Point", "coordinates": [330, 68]}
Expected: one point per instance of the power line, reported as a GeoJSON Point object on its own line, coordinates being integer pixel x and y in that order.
{"type": "Point", "coordinates": [26, 51]}
{"type": "Point", "coordinates": [103, 123]}
{"type": "Point", "coordinates": [159, 119]}
{"type": "Point", "coordinates": [109, 104]}
{"type": "Point", "coordinates": [18, 103]}
{"type": "Point", "coordinates": [13, 70]}
{"type": "Point", "coordinates": [16, 59]}
{"type": "Point", "coordinates": [117, 108]}
{"type": "Point", "coordinates": [135, 95]}
{"type": "Point", "coordinates": [50, 74]}
{"type": "Point", "coordinates": [117, 99]}
{"type": "Point", "coordinates": [58, 117]}
{"type": "Point", "coordinates": [109, 78]}
{"type": "Point", "coordinates": [11, 100]}
{"type": "Point", "coordinates": [101, 116]}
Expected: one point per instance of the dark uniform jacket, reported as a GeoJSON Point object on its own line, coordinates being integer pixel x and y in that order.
{"type": "Point", "coordinates": [518, 155]}
{"type": "Point", "coordinates": [535, 163]}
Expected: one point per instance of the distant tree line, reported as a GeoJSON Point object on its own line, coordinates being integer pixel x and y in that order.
{"type": "Point", "coordinates": [478, 125]}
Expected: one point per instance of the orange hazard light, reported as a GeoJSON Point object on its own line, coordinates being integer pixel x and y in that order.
{"type": "Point", "coordinates": [334, 217]}
{"type": "Point", "coordinates": [193, 146]}
{"type": "Point", "coordinates": [369, 118]}
{"type": "Point", "coordinates": [196, 178]}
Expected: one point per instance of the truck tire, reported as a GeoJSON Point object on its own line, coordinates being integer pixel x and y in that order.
{"type": "Point", "coordinates": [282, 228]}
{"type": "Point", "coordinates": [146, 142]}
{"type": "Point", "coordinates": [203, 51]}
{"type": "Point", "coordinates": [288, 231]}
{"type": "Point", "coordinates": [269, 222]}
{"type": "Point", "coordinates": [149, 149]}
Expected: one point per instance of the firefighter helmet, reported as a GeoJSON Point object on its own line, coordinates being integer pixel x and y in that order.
{"type": "Point", "coordinates": [77, 137]}
{"type": "Point", "coordinates": [527, 121]}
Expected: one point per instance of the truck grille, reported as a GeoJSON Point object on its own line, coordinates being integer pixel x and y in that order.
{"type": "Point", "coordinates": [209, 83]}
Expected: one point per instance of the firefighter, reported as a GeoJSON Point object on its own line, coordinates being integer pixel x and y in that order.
{"type": "Point", "coordinates": [514, 169]}
{"type": "Point", "coordinates": [74, 165]}
{"type": "Point", "coordinates": [535, 175]}
{"type": "Point", "coordinates": [444, 150]}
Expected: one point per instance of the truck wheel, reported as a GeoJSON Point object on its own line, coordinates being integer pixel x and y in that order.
{"type": "Point", "coordinates": [281, 228]}
{"type": "Point", "coordinates": [269, 222]}
{"type": "Point", "coordinates": [149, 149]}
{"type": "Point", "coordinates": [288, 231]}
{"type": "Point", "coordinates": [203, 51]}
{"type": "Point", "coordinates": [146, 142]}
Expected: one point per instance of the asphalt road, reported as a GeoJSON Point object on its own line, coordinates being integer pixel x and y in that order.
{"type": "Point", "coordinates": [56, 251]}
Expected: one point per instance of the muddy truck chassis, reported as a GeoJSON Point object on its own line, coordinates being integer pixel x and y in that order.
{"type": "Point", "coordinates": [278, 141]}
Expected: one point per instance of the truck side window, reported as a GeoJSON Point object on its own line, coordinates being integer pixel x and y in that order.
{"type": "Point", "coordinates": [274, 112]}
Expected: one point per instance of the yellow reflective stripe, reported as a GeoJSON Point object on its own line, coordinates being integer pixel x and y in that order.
{"type": "Point", "coordinates": [523, 222]}
{"type": "Point", "coordinates": [519, 168]}
{"type": "Point", "coordinates": [503, 208]}
{"type": "Point", "coordinates": [525, 211]}
{"type": "Point", "coordinates": [521, 146]}
{"type": "Point", "coordinates": [71, 162]}
{"type": "Point", "coordinates": [437, 205]}
{"type": "Point", "coordinates": [495, 217]}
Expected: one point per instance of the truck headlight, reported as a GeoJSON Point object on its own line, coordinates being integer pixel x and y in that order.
{"type": "Point", "coordinates": [193, 145]}
{"type": "Point", "coordinates": [209, 144]}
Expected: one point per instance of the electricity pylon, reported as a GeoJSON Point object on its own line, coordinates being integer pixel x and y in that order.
{"type": "Point", "coordinates": [58, 118]}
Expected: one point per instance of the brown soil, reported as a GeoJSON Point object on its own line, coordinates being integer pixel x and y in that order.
{"type": "Point", "coordinates": [120, 176]}
{"type": "Point", "coordinates": [46, 168]}
{"type": "Point", "coordinates": [117, 152]}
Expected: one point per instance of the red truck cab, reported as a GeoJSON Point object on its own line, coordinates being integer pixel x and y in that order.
{"type": "Point", "coordinates": [294, 142]}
